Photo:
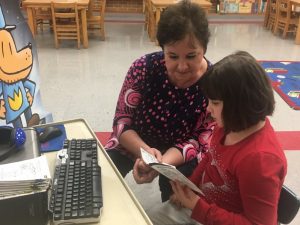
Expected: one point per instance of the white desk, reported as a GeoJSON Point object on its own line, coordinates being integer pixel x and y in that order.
{"type": "Point", "coordinates": [119, 204]}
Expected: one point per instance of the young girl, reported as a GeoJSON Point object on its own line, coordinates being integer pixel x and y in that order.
{"type": "Point", "coordinates": [242, 174]}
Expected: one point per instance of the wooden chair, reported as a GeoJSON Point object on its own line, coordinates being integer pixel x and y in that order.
{"type": "Point", "coordinates": [272, 15]}
{"type": "Point", "coordinates": [288, 206]}
{"type": "Point", "coordinates": [42, 17]}
{"type": "Point", "coordinates": [150, 20]}
{"type": "Point", "coordinates": [65, 22]}
{"type": "Point", "coordinates": [286, 20]}
{"type": "Point", "coordinates": [95, 17]}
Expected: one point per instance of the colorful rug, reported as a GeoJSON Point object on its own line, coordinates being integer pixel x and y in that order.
{"type": "Point", "coordinates": [289, 140]}
{"type": "Point", "coordinates": [285, 76]}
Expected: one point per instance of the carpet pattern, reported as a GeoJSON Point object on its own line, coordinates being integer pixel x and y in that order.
{"type": "Point", "coordinates": [285, 77]}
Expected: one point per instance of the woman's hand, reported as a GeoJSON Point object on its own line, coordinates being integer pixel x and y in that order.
{"type": "Point", "coordinates": [143, 173]}
{"type": "Point", "coordinates": [184, 195]}
{"type": "Point", "coordinates": [156, 153]}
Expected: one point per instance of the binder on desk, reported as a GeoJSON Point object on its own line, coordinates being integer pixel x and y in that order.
{"type": "Point", "coordinates": [24, 184]}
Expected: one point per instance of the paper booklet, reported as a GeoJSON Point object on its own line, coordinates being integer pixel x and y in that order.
{"type": "Point", "coordinates": [168, 170]}
{"type": "Point", "coordinates": [24, 177]}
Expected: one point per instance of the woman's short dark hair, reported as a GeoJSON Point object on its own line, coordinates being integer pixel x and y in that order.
{"type": "Point", "coordinates": [181, 19]}
{"type": "Point", "coordinates": [242, 84]}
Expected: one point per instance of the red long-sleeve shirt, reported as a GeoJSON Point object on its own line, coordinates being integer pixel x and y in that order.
{"type": "Point", "coordinates": [241, 182]}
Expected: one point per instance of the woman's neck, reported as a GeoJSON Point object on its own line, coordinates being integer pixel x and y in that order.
{"type": "Point", "coordinates": [195, 78]}
{"type": "Point", "coordinates": [203, 68]}
{"type": "Point", "coordinates": [235, 137]}
{"type": "Point", "coordinates": [199, 74]}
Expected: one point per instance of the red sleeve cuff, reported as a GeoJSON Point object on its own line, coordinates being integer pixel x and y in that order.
{"type": "Point", "coordinates": [200, 211]}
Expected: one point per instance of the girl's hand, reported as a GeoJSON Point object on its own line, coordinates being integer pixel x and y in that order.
{"type": "Point", "coordinates": [175, 201]}
{"type": "Point", "coordinates": [184, 195]}
{"type": "Point", "coordinates": [143, 173]}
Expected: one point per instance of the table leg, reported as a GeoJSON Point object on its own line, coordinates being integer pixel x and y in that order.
{"type": "Point", "coordinates": [297, 40]}
{"type": "Point", "coordinates": [267, 13]}
{"type": "Point", "coordinates": [84, 29]}
{"type": "Point", "coordinates": [30, 20]}
{"type": "Point", "coordinates": [206, 10]}
{"type": "Point", "coordinates": [157, 15]}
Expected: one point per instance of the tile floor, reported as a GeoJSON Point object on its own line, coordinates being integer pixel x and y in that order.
{"type": "Point", "coordinates": [85, 83]}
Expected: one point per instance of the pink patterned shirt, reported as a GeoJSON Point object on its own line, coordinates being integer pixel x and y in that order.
{"type": "Point", "coordinates": [162, 114]}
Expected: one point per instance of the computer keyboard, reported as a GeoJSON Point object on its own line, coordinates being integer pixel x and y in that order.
{"type": "Point", "coordinates": [76, 195]}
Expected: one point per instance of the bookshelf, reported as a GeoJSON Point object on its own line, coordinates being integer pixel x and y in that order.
{"type": "Point", "coordinates": [241, 6]}
{"type": "Point", "coordinates": [218, 6]}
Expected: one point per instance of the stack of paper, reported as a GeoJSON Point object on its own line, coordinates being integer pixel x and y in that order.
{"type": "Point", "coordinates": [24, 177]}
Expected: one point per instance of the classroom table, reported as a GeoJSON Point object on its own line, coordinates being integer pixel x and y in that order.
{"type": "Point", "coordinates": [120, 206]}
{"type": "Point", "coordinates": [31, 5]}
{"type": "Point", "coordinates": [160, 5]}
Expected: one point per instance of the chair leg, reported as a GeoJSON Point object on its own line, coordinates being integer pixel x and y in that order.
{"type": "Point", "coordinates": [152, 32]}
{"type": "Point", "coordinates": [266, 20]}
{"type": "Point", "coordinates": [78, 40]}
{"type": "Point", "coordinates": [42, 25]}
{"type": "Point", "coordinates": [285, 30]}
{"type": "Point", "coordinates": [56, 41]}
{"type": "Point", "coordinates": [269, 24]}
{"type": "Point", "coordinates": [146, 20]}
{"type": "Point", "coordinates": [275, 28]}
{"type": "Point", "coordinates": [102, 34]}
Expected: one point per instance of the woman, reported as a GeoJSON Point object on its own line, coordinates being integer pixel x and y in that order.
{"type": "Point", "coordinates": [242, 174]}
{"type": "Point", "coordinates": [161, 107]}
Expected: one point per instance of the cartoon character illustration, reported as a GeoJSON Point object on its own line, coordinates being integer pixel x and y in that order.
{"type": "Point", "coordinates": [16, 90]}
